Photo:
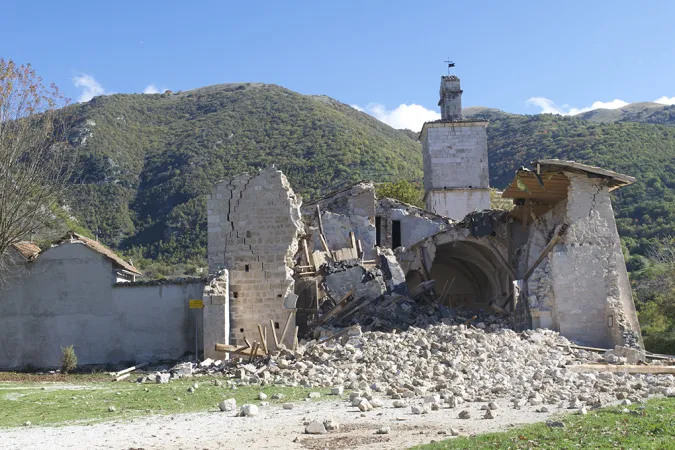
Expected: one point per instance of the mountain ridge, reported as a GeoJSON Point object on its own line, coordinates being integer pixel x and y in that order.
{"type": "Point", "coordinates": [147, 160]}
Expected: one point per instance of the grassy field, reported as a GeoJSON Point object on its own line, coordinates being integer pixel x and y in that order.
{"type": "Point", "coordinates": [650, 428]}
{"type": "Point", "coordinates": [87, 398]}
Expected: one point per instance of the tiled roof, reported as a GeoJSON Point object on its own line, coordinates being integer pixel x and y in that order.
{"type": "Point", "coordinates": [100, 248]}
{"type": "Point", "coordinates": [26, 249]}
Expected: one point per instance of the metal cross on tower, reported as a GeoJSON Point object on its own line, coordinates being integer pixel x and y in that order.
{"type": "Point", "coordinates": [450, 64]}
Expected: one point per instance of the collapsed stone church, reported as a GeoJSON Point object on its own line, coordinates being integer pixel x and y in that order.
{"type": "Point", "coordinates": [553, 261]}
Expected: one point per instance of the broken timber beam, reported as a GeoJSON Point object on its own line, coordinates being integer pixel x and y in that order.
{"type": "Point", "coordinates": [130, 369]}
{"type": "Point", "coordinates": [122, 377]}
{"type": "Point", "coordinates": [337, 335]}
{"type": "Point", "coordinates": [238, 350]}
{"type": "Point", "coordinates": [336, 309]}
{"type": "Point", "coordinates": [307, 256]}
{"type": "Point", "coordinates": [558, 234]}
{"type": "Point", "coordinates": [262, 338]}
{"type": "Point", "coordinates": [288, 322]}
{"type": "Point", "coordinates": [322, 235]}
{"type": "Point", "coordinates": [626, 368]}
{"type": "Point", "coordinates": [274, 334]}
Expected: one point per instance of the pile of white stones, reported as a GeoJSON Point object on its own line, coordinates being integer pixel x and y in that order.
{"type": "Point", "coordinates": [453, 364]}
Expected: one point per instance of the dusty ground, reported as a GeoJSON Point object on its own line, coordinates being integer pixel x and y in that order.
{"type": "Point", "coordinates": [273, 428]}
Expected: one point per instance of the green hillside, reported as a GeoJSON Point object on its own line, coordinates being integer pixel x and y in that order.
{"type": "Point", "coordinates": [148, 160]}
{"type": "Point", "coordinates": [644, 112]}
{"type": "Point", "coordinates": [645, 210]}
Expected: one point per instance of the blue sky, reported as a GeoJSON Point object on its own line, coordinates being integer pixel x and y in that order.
{"type": "Point", "coordinates": [384, 56]}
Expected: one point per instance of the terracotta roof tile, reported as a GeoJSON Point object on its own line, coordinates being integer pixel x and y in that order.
{"type": "Point", "coordinates": [26, 249]}
{"type": "Point", "coordinates": [102, 249]}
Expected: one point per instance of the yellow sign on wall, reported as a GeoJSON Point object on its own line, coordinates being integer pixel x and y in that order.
{"type": "Point", "coordinates": [195, 304]}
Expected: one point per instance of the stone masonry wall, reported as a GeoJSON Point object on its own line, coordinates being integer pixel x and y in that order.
{"type": "Point", "coordinates": [455, 155]}
{"type": "Point", "coordinates": [254, 225]}
{"type": "Point", "coordinates": [593, 300]}
{"type": "Point", "coordinates": [456, 178]}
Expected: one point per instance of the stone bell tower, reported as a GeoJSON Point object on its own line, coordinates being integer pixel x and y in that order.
{"type": "Point", "coordinates": [456, 178]}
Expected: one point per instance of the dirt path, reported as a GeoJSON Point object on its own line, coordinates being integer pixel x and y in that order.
{"type": "Point", "coordinates": [273, 428]}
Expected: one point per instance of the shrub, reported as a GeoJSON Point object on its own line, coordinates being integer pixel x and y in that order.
{"type": "Point", "coordinates": [68, 359]}
{"type": "Point", "coordinates": [660, 343]}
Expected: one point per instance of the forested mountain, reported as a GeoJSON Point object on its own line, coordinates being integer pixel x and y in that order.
{"type": "Point", "coordinates": [148, 160]}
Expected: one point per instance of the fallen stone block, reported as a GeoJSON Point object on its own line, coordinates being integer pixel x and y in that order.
{"type": "Point", "coordinates": [228, 405]}
{"type": "Point", "coordinates": [315, 427]}
{"type": "Point", "coordinates": [248, 411]}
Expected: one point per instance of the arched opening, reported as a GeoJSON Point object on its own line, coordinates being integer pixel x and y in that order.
{"type": "Point", "coordinates": [471, 275]}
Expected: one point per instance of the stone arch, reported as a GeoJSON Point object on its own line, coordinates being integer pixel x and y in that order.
{"type": "Point", "coordinates": [475, 274]}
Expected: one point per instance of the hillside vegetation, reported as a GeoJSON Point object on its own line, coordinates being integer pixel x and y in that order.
{"type": "Point", "coordinates": [148, 160]}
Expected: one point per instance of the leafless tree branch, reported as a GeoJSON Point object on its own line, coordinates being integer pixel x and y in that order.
{"type": "Point", "coordinates": [35, 158]}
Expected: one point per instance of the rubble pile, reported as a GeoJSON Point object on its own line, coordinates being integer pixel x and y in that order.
{"type": "Point", "coordinates": [464, 363]}
{"type": "Point", "coordinates": [449, 365]}
{"type": "Point", "coordinates": [398, 312]}
{"type": "Point", "coordinates": [379, 300]}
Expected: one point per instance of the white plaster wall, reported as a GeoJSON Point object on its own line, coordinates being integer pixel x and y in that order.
{"type": "Point", "coordinates": [154, 322]}
{"type": "Point", "coordinates": [457, 203]}
{"type": "Point", "coordinates": [66, 297]}
{"type": "Point", "coordinates": [415, 228]}
{"type": "Point", "coordinates": [590, 281]}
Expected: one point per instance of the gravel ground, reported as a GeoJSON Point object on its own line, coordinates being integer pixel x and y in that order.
{"type": "Point", "coordinates": [275, 428]}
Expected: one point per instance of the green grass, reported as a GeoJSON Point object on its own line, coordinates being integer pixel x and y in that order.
{"type": "Point", "coordinates": [86, 402]}
{"type": "Point", "coordinates": [652, 428]}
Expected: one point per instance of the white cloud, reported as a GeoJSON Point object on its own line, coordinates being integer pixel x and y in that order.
{"type": "Point", "coordinates": [152, 89]}
{"type": "Point", "coordinates": [90, 87]}
{"type": "Point", "coordinates": [548, 106]}
{"type": "Point", "coordinates": [404, 116]}
{"type": "Point", "coordinates": [665, 100]}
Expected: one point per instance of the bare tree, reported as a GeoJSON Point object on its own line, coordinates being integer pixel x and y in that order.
{"type": "Point", "coordinates": [35, 158]}
{"type": "Point", "coordinates": [663, 251]}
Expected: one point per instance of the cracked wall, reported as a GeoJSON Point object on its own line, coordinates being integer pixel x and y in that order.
{"type": "Point", "coordinates": [593, 300]}
{"type": "Point", "coordinates": [253, 226]}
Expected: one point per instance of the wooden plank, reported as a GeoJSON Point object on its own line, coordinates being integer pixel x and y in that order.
{"type": "Point", "coordinates": [581, 347]}
{"type": "Point", "coordinates": [352, 239]}
{"type": "Point", "coordinates": [336, 309]}
{"type": "Point", "coordinates": [310, 262]}
{"type": "Point", "coordinates": [626, 368]}
{"type": "Point", "coordinates": [288, 322]}
{"type": "Point", "coordinates": [559, 233]}
{"type": "Point", "coordinates": [238, 350]}
{"type": "Point", "coordinates": [274, 334]}
{"type": "Point", "coordinates": [359, 249]}
{"type": "Point", "coordinates": [318, 213]}
{"type": "Point", "coordinates": [262, 339]}
{"type": "Point", "coordinates": [295, 339]}
{"type": "Point", "coordinates": [122, 377]}
{"type": "Point", "coordinates": [319, 258]}
{"type": "Point", "coordinates": [468, 321]}
{"type": "Point", "coordinates": [498, 309]}
{"type": "Point", "coordinates": [325, 246]}
{"type": "Point", "coordinates": [130, 369]}
{"type": "Point", "coordinates": [336, 335]}
{"type": "Point", "coordinates": [256, 344]}
{"type": "Point", "coordinates": [248, 344]}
